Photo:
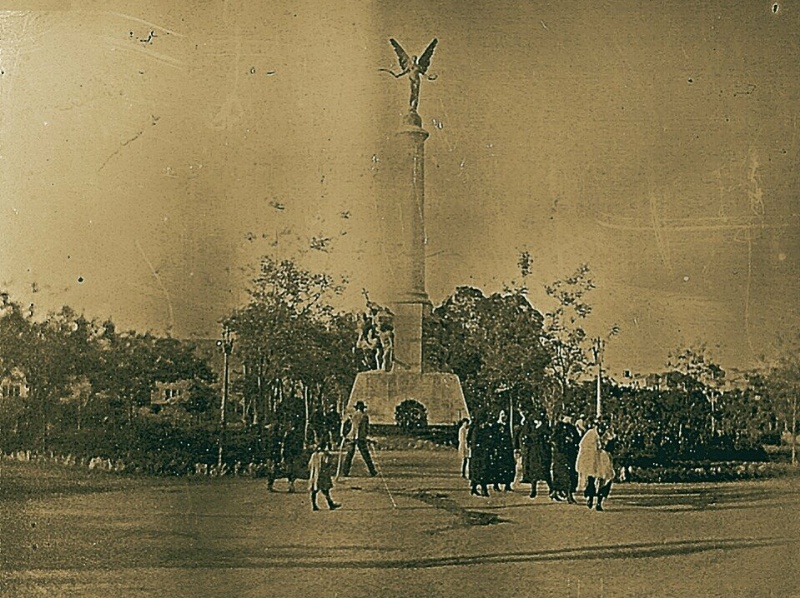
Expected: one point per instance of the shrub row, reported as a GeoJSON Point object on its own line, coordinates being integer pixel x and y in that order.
{"type": "Point", "coordinates": [147, 446]}
{"type": "Point", "coordinates": [705, 472]}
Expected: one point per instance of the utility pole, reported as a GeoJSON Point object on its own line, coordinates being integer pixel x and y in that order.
{"type": "Point", "coordinates": [597, 349]}
{"type": "Point", "coordinates": [226, 345]}
{"type": "Point", "coordinates": [712, 398]}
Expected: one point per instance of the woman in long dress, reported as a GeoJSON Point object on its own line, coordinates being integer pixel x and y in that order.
{"type": "Point", "coordinates": [479, 439]}
{"type": "Point", "coordinates": [534, 446]}
{"type": "Point", "coordinates": [565, 448]}
{"type": "Point", "coordinates": [502, 465]}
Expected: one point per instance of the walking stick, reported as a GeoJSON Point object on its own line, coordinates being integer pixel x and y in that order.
{"type": "Point", "coordinates": [380, 473]}
{"type": "Point", "coordinates": [339, 461]}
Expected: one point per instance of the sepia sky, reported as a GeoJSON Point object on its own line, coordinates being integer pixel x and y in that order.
{"type": "Point", "coordinates": [142, 175]}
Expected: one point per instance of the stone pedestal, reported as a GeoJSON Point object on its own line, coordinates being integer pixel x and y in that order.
{"type": "Point", "coordinates": [383, 391]}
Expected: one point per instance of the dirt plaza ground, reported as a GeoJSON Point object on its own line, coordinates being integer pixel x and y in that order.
{"type": "Point", "coordinates": [414, 531]}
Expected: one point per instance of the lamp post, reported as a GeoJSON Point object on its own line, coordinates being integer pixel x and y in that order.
{"type": "Point", "coordinates": [597, 349]}
{"type": "Point", "coordinates": [226, 346]}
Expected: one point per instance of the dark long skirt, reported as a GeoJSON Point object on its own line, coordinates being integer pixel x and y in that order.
{"type": "Point", "coordinates": [535, 447]}
{"type": "Point", "coordinates": [479, 462]}
{"type": "Point", "coordinates": [562, 471]}
{"type": "Point", "coordinates": [503, 466]}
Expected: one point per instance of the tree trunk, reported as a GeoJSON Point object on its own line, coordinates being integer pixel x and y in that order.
{"type": "Point", "coordinates": [246, 405]}
{"type": "Point", "coordinates": [44, 423]}
{"type": "Point", "coordinates": [794, 429]}
{"type": "Point", "coordinates": [278, 397]}
{"type": "Point", "coordinates": [305, 426]}
{"type": "Point", "coordinates": [259, 385]}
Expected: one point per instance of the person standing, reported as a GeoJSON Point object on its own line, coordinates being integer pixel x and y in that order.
{"type": "Point", "coordinates": [357, 437]}
{"type": "Point", "coordinates": [272, 453]}
{"type": "Point", "coordinates": [582, 424]}
{"type": "Point", "coordinates": [575, 440]}
{"type": "Point", "coordinates": [534, 446]}
{"type": "Point", "coordinates": [463, 446]}
{"type": "Point", "coordinates": [333, 423]}
{"type": "Point", "coordinates": [318, 429]}
{"type": "Point", "coordinates": [606, 472]}
{"type": "Point", "coordinates": [320, 478]}
{"type": "Point", "coordinates": [594, 466]}
{"type": "Point", "coordinates": [479, 439]}
{"type": "Point", "coordinates": [292, 453]}
{"type": "Point", "coordinates": [502, 466]}
{"type": "Point", "coordinates": [565, 452]}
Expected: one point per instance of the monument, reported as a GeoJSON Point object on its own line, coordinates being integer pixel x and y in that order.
{"type": "Point", "coordinates": [400, 375]}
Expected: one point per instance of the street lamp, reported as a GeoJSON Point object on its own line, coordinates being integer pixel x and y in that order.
{"type": "Point", "coordinates": [225, 344]}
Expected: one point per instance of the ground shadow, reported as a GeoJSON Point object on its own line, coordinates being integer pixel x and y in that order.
{"type": "Point", "coordinates": [621, 551]}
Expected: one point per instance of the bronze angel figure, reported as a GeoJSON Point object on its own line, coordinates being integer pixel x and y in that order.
{"type": "Point", "coordinates": [416, 69]}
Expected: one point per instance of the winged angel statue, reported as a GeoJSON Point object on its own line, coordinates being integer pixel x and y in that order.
{"type": "Point", "coordinates": [416, 69]}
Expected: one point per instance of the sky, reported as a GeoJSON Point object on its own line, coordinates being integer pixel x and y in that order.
{"type": "Point", "coordinates": [150, 155]}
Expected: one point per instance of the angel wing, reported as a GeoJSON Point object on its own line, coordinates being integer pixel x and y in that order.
{"type": "Point", "coordinates": [425, 60]}
{"type": "Point", "coordinates": [405, 60]}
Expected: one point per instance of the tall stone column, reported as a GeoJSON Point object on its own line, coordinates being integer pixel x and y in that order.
{"type": "Point", "coordinates": [405, 213]}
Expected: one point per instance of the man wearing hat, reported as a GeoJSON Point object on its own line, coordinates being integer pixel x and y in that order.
{"type": "Point", "coordinates": [357, 437]}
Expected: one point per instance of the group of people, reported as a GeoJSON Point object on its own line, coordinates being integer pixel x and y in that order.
{"type": "Point", "coordinates": [568, 457]}
{"type": "Point", "coordinates": [287, 457]}
{"type": "Point", "coordinates": [284, 444]}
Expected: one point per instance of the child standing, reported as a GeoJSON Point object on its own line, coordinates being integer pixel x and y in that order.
{"type": "Point", "coordinates": [320, 477]}
{"type": "Point", "coordinates": [463, 446]}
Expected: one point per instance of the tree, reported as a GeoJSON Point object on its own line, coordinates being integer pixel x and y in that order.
{"type": "Point", "coordinates": [493, 344]}
{"type": "Point", "coordinates": [695, 371]}
{"type": "Point", "coordinates": [201, 398]}
{"type": "Point", "coordinates": [296, 349]}
{"type": "Point", "coordinates": [659, 424]}
{"type": "Point", "coordinates": [130, 364]}
{"type": "Point", "coordinates": [783, 384]}
{"type": "Point", "coordinates": [59, 358]}
{"type": "Point", "coordinates": [566, 340]}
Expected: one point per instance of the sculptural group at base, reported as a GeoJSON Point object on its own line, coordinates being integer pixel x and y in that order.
{"type": "Point", "coordinates": [375, 345]}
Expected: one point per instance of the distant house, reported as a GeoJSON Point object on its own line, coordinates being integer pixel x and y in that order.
{"type": "Point", "coordinates": [640, 381]}
{"type": "Point", "coordinates": [653, 381]}
{"type": "Point", "coordinates": [208, 349]}
{"type": "Point", "coordinates": [14, 385]}
{"type": "Point", "coordinates": [170, 393]}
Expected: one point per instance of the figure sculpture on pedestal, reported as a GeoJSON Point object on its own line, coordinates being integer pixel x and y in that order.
{"type": "Point", "coordinates": [367, 344]}
{"type": "Point", "coordinates": [386, 338]}
{"type": "Point", "coordinates": [415, 68]}
{"type": "Point", "coordinates": [375, 337]}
